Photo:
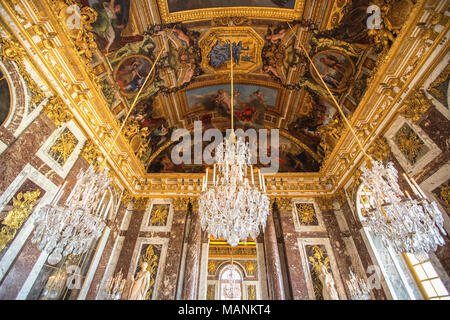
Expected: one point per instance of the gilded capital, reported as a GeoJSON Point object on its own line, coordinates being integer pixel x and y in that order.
{"type": "Point", "coordinates": [379, 149]}
{"type": "Point", "coordinates": [415, 105]}
{"type": "Point", "coordinates": [181, 204]}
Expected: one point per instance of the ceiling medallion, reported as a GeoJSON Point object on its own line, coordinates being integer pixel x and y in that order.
{"type": "Point", "coordinates": [246, 50]}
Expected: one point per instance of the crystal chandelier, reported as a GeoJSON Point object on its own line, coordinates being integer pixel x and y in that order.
{"type": "Point", "coordinates": [357, 287]}
{"type": "Point", "coordinates": [232, 208]}
{"type": "Point", "coordinates": [72, 227]}
{"type": "Point", "coordinates": [408, 225]}
{"type": "Point", "coordinates": [55, 286]}
{"type": "Point", "coordinates": [114, 286]}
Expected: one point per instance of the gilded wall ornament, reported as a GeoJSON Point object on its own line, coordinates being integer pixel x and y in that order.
{"type": "Point", "coordinates": [415, 105]}
{"type": "Point", "coordinates": [306, 214]}
{"type": "Point", "coordinates": [181, 204]}
{"type": "Point", "coordinates": [445, 195]}
{"type": "Point", "coordinates": [379, 149]}
{"type": "Point", "coordinates": [58, 111]}
{"type": "Point", "coordinates": [251, 295]}
{"type": "Point", "coordinates": [210, 294]}
{"type": "Point", "coordinates": [317, 257]}
{"type": "Point", "coordinates": [158, 215]}
{"type": "Point", "coordinates": [250, 268]}
{"type": "Point", "coordinates": [63, 146]}
{"type": "Point", "coordinates": [409, 143]}
{"type": "Point", "coordinates": [438, 89]}
{"type": "Point", "coordinates": [140, 203]}
{"type": "Point", "coordinates": [212, 266]}
{"type": "Point", "coordinates": [23, 205]}
{"type": "Point", "coordinates": [325, 203]}
{"type": "Point", "coordinates": [284, 203]}
{"type": "Point", "coordinates": [91, 152]}
{"type": "Point", "coordinates": [152, 260]}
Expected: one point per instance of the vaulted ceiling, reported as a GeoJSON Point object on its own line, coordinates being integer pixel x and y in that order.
{"type": "Point", "coordinates": [95, 70]}
{"type": "Point", "coordinates": [275, 84]}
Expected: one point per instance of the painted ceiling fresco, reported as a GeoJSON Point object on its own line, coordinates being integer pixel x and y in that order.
{"type": "Point", "coordinates": [275, 85]}
{"type": "Point", "coordinates": [181, 5]}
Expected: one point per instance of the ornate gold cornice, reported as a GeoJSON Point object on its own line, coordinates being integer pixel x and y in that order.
{"type": "Point", "coordinates": [222, 12]}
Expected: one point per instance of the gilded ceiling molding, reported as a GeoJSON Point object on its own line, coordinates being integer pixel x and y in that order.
{"type": "Point", "coordinates": [404, 60]}
{"type": "Point", "coordinates": [224, 12]}
{"type": "Point", "coordinates": [415, 105]}
{"type": "Point", "coordinates": [338, 10]}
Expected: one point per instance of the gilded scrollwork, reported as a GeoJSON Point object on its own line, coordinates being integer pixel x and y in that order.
{"type": "Point", "coordinates": [181, 204]}
{"type": "Point", "coordinates": [57, 111]}
{"type": "Point", "coordinates": [23, 205]}
{"type": "Point", "coordinates": [91, 152]}
{"type": "Point", "coordinates": [379, 149]}
{"type": "Point", "coordinates": [415, 105]}
{"type": "Point", "coordinates": [64, 146]}
{"type": "Point", "coordinates": [306, 213]}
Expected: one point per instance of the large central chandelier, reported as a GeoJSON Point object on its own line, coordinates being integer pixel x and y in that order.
{"type": "Point", "coordinates": [232, 207]}
{"type": "Point", "coordinates": [409, 225]}
{"type": "Point", "coordinates": [72, 227]}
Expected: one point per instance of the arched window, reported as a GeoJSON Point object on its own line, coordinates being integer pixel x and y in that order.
{"type": "Point", "coordinates": [230, 283]}
{"type": "Point", "coordinates": [407, 276]}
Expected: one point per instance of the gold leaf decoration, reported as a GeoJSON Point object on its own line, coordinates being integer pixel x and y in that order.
{"type": "Point", "coordinates": [306, 213]}
{"type": "Point", "coordinates": [181, 204]}
{"type": "Point", "coordinates": [91, 152]}
{"type": "Point", "coordinates": [251, 292]}
{"type": "Point", "coordinates": [158, 216]}
{"type": "Point", "coordinates": [63, 147]}
{"type": "Point", "coordinates": [379, 149]}
{"type": "Point", "coordinates": [57, 111]}
{"type": "Point", "coordinates": [152, 266]}
{"type": "Point", "coordinates": [409, 143]}
{"type": "Point", "coordinates": [140, 203]}
{"type": "Point", "coordinates": [415, 105]}
{"type": "Point", "coordinates": [317, 260]}
{"type": "Point", "coordinates": [22, 207]}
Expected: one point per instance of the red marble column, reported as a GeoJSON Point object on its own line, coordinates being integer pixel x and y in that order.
{"type": "Point", "coordinates": [107, 252]}
{"type": "Point", "coordinates": [273, 258]}
{"type": "Point", "coordinates": [192, 266]}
